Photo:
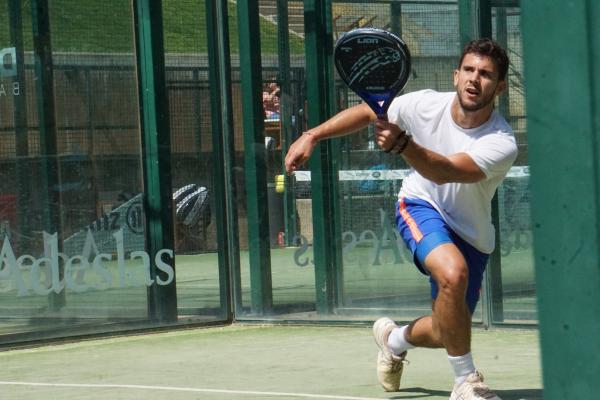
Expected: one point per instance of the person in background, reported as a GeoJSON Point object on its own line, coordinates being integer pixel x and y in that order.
{"type": "Point", "coordinates": [271, 100]}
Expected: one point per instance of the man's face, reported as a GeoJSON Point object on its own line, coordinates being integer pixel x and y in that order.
{"type": "Point", "coordinates": [476, 82]}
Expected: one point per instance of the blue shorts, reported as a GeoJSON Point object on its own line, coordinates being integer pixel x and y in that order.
{"type": "Point", "coordinates": [423, 229]}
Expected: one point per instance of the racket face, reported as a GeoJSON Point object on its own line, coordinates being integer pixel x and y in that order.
{"type": "Point", "coordinates": [200, 202]}
{"type": "Point", "coordinates": [374, 63]}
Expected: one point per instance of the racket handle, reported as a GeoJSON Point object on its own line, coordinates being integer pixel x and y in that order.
{"type": "Point", "coordinates": [382, 116]}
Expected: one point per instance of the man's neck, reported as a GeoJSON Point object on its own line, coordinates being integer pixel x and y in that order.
{"type": "Point", "coordinates": [470, 119]}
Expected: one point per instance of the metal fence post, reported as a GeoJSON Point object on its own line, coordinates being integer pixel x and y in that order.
{"type": "Point", "coordinates": [283, 53]}
{"type": "Point", "coordinates": [44, 78]}
{"type": "Point", "coordinates": [156, 152]}
{"type": "Point", "coordinates": [475, 21]}
{"type": "Point", "coordinates": [21, 129]}
{"type": "Point", "coordinates": [323, 163]}
{"type": "Point", "coordinates": [255, 157]}
{"type": "Point", "coordinates": [217, 32]}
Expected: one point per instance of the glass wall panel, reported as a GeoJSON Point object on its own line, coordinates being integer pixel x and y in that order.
{"type": "Point", "coordinates": [192, 158]}
{"type": "Point", "coordinates": [73, 254]}
{"type": "Point", "coordinates": [292, 274]}
{"type": "Point", "coordinates": [74, 257]}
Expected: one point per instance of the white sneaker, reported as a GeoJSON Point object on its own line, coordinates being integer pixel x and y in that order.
{"type": "Point", "coordinates": [473, 388]}
{"type": "Point", "coordinates": [389, 365]}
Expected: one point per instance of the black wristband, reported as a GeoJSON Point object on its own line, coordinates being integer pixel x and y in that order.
{"type": "Point", "coordinates": [400, 144]}
{"type": "Point", "coordinates": [407, 139]}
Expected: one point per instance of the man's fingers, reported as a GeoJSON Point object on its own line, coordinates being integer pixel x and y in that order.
{"type": "Point", "coordinates": [290, 168]}
{"type": "Point", "coordinates": [292, 162]}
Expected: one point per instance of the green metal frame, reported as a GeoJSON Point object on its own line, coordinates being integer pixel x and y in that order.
{"type": "Point", "coordinates": [475, 20]}
{"type": "Point", "coordinates": [324, 161]}
{"type": "Point", "coordinates": [563, 117]}
{"type": "Point", "coordinates": [396, 19]}
{"type": "Point", "coordinates": [217, 33]}
{"type": "Point", "coordinates": [494, 274]}
{"type": "Point", "coordinates": [283, 54]}
{"type": "Point", "coordinates": [156, 151]}
{"type": "Point", "coordinates": [255, 158]}
{"type": "Point", "coordinates": [21, 131]}
{"type": "Point", "coordinates": [44, 85]}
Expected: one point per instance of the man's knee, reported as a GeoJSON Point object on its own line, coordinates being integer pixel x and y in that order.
{"type": "Point", "coordinates": [448, 269]}
{"type": "Point", "coordinates": [454, 277]}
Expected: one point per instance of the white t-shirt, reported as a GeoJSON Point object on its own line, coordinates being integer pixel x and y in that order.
{"type": "Point", "coordinates": [466, 207]}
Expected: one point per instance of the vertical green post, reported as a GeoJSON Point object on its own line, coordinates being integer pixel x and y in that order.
{"type": "Point", "coordinates": [197, 110]}
{"type": "Point", "coordinates": [563, 117]}
{"type": "Point", "coordinates": [495, 292]}
{"type": "Point", "coordinates": [44, 78]}
{"type": "Point", "coordinates": [20, 122]}
{"type": "Point", "coordinates": [475, 21]}
{"type": "Point", "coordinates": [89, 100]}
{"type": "Point", "coordinates": [156, 152]}
{"type": "Point", "coordinates": [502, 38]}
{"type": "Point", "coordinates": [323, 163]}
{"type": "Point", "coordinates": [396, 18]}
{"type": "Point", "coordinates": [283, 53]}
{"type": "Point", "coordinates": [255, 157]}
{"type": "Point", "coordinates": [219, 72]}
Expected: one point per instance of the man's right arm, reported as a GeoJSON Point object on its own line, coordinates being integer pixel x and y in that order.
{"type": "Point", "coordinates": [343, 123]}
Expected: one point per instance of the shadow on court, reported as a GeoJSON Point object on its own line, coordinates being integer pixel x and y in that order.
{"type": "Point", "coordinates": [422, 393]}
{"type": "Point", "coordinates": [419, 393]}
{"type": "Point", "coordinates": [529, 394]}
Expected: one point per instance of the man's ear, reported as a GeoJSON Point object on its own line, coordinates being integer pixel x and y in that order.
{"type": "Point", "coordinates": [455, 77]}
{"type": "Point", "coordinates": [501, 87]}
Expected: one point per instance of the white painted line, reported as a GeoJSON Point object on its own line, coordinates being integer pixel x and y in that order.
{"type": "Point", "coordinates": [184, 389]}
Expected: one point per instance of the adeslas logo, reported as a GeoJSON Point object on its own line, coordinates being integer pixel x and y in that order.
{"type": "Point", "coordinates": [8, 62]}
{"type": "Point", "coordinates": [8, 69]}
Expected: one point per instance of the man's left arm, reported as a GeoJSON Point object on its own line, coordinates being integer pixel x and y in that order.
{"type": "Point", "coordinates": [459, 167]}
{"type": "Point", "coordinates": [440, 169]}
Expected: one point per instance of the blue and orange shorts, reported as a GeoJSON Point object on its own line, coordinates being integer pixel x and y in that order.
{"type": "Point", "coordinates": [423, 229]}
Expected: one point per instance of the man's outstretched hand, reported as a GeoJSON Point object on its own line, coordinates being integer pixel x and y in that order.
{"type": "Point", "coordinates": [299, 152]}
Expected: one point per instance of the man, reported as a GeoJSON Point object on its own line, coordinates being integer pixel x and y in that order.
{"type": "Point", "coordinates": [460, 150]}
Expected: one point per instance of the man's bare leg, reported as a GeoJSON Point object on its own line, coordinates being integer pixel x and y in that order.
{"type": "Point", "coordinates": [449, 326]}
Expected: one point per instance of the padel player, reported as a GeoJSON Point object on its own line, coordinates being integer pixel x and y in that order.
{"type": "Point", "coordinates": [460, 150]}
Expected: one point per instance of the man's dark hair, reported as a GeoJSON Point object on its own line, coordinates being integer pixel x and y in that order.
{"type": "Point", "coordinates": [490, 48]}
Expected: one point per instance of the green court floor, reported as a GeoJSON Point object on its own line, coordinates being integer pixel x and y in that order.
{"type": "Point", "coordinates": [257, 362]}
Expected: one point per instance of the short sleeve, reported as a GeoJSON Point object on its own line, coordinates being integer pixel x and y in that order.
{"type": "Point", "coordinates": [494, 153]}
{"type": "Point", "coordinates": [403, 109]}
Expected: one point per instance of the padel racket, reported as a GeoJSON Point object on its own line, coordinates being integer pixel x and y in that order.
{"type": "Point", "coordinates": [192, 205]}
{"type": "Point", "coordinates": [375, 64]}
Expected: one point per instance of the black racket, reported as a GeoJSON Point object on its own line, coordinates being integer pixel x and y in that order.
{"type": "Point", "coordinates": [375, 64]}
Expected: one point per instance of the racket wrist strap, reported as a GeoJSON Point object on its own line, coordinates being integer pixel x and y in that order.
{"type": "Point", "coordinates": [400, 144]}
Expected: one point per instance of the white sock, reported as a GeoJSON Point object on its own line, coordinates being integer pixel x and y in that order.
{"type": "Point", "coordinates": [462, 366]}
{"type": "Point", "coordinates": [397, 342]}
